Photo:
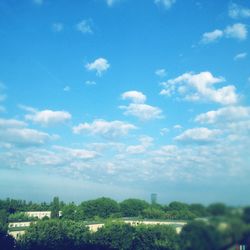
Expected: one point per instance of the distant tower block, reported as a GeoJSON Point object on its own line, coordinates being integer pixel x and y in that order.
{"type": "Point", "coordinates": [153, 198]}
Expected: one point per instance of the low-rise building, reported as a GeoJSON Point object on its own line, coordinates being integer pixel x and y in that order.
{"type": "Point", "coordinates": [16, 233]}
{"type": "Point", "coordinates": [39, 214]}
{"type": "Point", "coordinates": [17, 229]}
{"type": "Point", "coordinates": [20, 224]}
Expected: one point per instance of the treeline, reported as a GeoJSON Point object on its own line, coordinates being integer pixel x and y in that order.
{"type": "Point", "coordinates": [212, 227]}
{"type": "Point", "coordinates": [106, 207]}
{"type": "Point", "coordinates": [59, 234]}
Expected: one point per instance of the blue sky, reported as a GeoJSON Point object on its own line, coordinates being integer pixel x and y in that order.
{"type": "Point", "coordinates": [123, 98]}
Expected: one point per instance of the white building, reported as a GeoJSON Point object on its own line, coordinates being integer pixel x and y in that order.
{"type": "Point", "coordinates": [39, 214]}
{"type": "Point", "coordinates": [20, 224]}
{"type": "Point", "coordinates": [17, 234]}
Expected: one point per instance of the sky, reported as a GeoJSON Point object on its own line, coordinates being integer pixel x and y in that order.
{"type": "Point", "coordinates": [125, 98]}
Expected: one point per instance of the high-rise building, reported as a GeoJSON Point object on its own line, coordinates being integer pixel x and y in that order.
{"type": "Point", "coordinates": [153, 198]}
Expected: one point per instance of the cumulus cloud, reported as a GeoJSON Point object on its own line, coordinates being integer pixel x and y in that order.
{"type": "Point", "coordinates": [200, 87]}
{"type": "Point", "coordinates": [237, 11]}
{"type": "Point", "coordinates": [212, 36]}
{"type": "Point", "coordinates": [57, 27]}
{"type": "Point", "coordinates": [47, 117]}
{"type": "Point", "coordinates": [107, 129]}
{"type": "Point", "coordinates": [161, 72]}
{"type": "Point", "coordinates": [167, 4]}
{"type": "Point", "coordinates": [138, 107]}
{"type": "Point", "coordinates": [145, 143]}
{"type": "Point", "coordinates": [142, 111]}
{"type": "Point", "coordinates": [237, 31]}
{"type": "Point", "coordinates": [164, 131]}
{"type": "Point", "coordinates": [43, 157]}
{"type": "Point", "coordinates": [198, 135]}
{"type": "Point", "coordinates": [177, 126]}
{"type": "Point", "coordinates": [100, 65]}
{"type": "Point", "coordinates": [226, 114]}
{"type": "Point", "coordinates": [10, 123]}
{"type": "Point", "coordinates": [12, 132]}
{"type": "Point", "coordinates": [82, 154]}
{"type": "Point", "coordinates": [134, 96]}
{"type": "Point", "coordinates": [85, 27]}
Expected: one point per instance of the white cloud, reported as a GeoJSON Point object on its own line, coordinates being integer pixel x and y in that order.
{"type": "Point", "coordinates": [74, 153]}
{"type": "Point", "coordinates": [43, 157]}
{"type": "Point", "coordinates": [164, 131]}
{"type": "Point", "coordinates": [142, 111]}
{"type": "Point", "coordinates": [138, 108]}
{"type": "Point", "coordinates": [240, 56]}
{"type": "Point", "coordinates": [200, 87]}
{"type": "Point", "coordinates": [177, 126]}
{"type": "Point", "coordinates": [104, 128]}
{"type": "Point", "coordinates": [145, 143]}
{"type": "Point", "coordinates": [165, 3]}
{"type": "Point", "coordinates": [238, 31]}
{"type": "Point", "coordinates": [213, 36]}
{"type": "Point", "coordinates": [199, 135]}
{"type": "Point", "coordinates": [57, 27]}
{"type": "Point", "coordinates": [48, 117]}
{"type": "Point", "coordinates": [85, 27]}
{"type": "Point", "coordinates": [236, 11]}
{"type": "Point", "coordinates": [134, 96]}
{"type": "Point", "coordinates": [90, 82]}
{"type": "Point", "coordinates": [161, 72]}
{"type": "Point", "coordinates": [10, 123]}
{"type": "Point", "coordinates": [226, 114]}
{"type": "Point", "coordinates": [15, 132]}
{"type": "Point", "coordinates": [24, 136]}
{"type": "Point", "coordinates": [100, 65]}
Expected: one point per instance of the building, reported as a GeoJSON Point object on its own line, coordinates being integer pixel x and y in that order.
{"type": "Point", "coordinates": [39, 214]}
{"type": "Point", "coordinates": [153, 198]}
{"type": "Point", "coordinates": [17, 229]}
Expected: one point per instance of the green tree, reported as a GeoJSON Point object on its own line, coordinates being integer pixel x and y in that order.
{"type": "Point", "coordinates": [101, 207]}
{"type": "Point", "coordinates": [155, 237]}
{"type": "Point", "coordinates": [198, 209]}
{"type": "Point", "coordinates": [217, 209]}
{"type": "Point", "coordinates": [56, 235]}
{"type": "Point", "coordinates": [3, 218]}
{"type": "Point", "coordinates": [199, 236]}
{"type": "Point", "coordinates": [117, 236]}
{"type": "Point", "coordinates": [133, 207]}
{"type": "Point", "coordinates": [178, 206]}
{"type": "Point", "coordinates": [55, 207]}
{"type": "Point", "coordinates": [246, 215]}
{"type": "Point", "coordinates": [20, 216]}
{"type": "Point", "coordinates": [69, 211]}
{"type": "Point", "coordinates": [153, 213]}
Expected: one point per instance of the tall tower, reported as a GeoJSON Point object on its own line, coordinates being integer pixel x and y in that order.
{"type": "Point", "coordinates": [153, 198]}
